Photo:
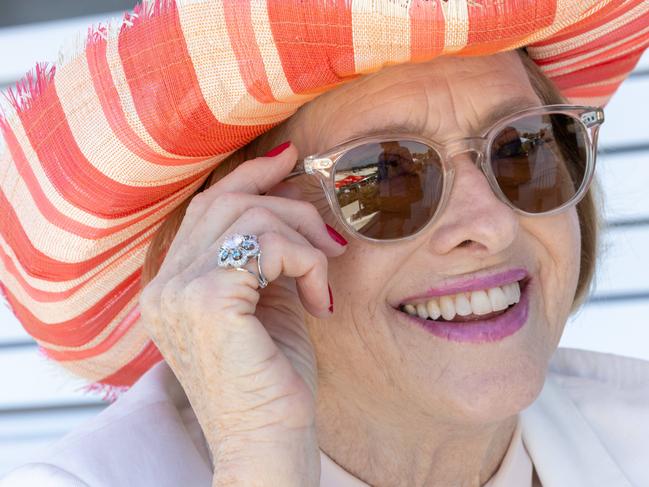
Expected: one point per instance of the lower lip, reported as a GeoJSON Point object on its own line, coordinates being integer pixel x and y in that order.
{"type": "Point", "coordinates": [492, 330]}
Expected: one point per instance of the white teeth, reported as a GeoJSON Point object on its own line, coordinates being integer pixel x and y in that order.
{"type": "Point", "coordinates": [433, 309]}
{"type": "Point", "coordinates": [447, 307]}
{"type": "Point", "coordinates": [512, 292]}
{"type": "Point", "coordinates": [462, 305]}
{"type": "Point", "coordinates": [497, 298]}
{"type": "Point", "coordinates": [510, 295]}
{"type": "Point", "coordinates": [421, 311]}
{"type": "Point", "coordinates": [479, 302]}
{"type": "Point", "coordinates": [517, 292]}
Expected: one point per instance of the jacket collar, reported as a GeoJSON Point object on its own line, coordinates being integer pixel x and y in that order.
{"type": "Point", "coordinates": [561, 443]}
{"type": "Point", "coordinates": [563, 446]}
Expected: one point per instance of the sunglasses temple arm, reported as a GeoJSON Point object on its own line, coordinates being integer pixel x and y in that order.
{"type": "Point", "coordinates": [298, 170]}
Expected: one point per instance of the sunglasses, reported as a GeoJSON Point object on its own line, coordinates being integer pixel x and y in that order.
{"type": "Point", "coordinates": [390, 187]}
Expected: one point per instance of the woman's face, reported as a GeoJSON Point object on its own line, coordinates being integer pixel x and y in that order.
{"type": "Point", "coordinates": [370, 354]}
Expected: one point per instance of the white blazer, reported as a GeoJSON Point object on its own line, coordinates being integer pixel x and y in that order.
{"type": "Point", "coordinates": [589, 427]}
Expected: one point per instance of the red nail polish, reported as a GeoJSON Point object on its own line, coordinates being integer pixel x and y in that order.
{"type": "Point", "coordinates": [278, 150]}
{"type": "Point", "coordinates": [331, 300]}
{"type": "Point", "coordinates": [336, 236]}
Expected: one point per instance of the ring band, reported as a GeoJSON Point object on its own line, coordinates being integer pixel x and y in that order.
{"type": "Point", "coordinates": [261, 279]}
{"type": "Point", "coordinates": [237, 250]}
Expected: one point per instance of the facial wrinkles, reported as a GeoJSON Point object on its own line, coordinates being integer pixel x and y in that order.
{"type": "Point", "coordinates": [359, 320]}
{"type": "Point", "coordinates": [440, 114]}
{"type": "Point", "coordinates": [469, 110]}
{"type": "Point", "coordinates": [435, 101]}
{"type": "Point", "coordinates": [567, 226]}
{"type": "Point", "coordinates": [373, 115]}
{"type": "Point", "coordinates": [444, 106]}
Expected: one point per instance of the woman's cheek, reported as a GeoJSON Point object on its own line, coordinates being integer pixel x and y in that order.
{"type": "Point", "coordinates": [575, 259]}
{"type": "Point", "coordinates": [568, 264]}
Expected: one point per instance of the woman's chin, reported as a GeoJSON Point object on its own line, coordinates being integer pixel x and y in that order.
{"type": "Point", "coordinates": [477, 391]}
{"type": "Point", "coordinates": [469, 382]}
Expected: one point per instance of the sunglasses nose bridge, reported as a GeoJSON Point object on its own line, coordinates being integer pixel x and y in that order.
{"type": "Point", "coordinates": [472, 147]}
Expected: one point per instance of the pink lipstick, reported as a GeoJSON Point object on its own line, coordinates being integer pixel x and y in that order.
{"type": "Point", "coordinates": [478, 331]}
{"type": "Point", "coordinates": [473, 284]}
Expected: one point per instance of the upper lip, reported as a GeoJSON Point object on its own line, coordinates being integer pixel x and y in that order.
{"type": "Point", "coordinates": [473, 283]}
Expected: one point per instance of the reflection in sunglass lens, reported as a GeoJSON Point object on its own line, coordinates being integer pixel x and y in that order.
{"type": "Point", "coordinates": [390, 189]}
{"type": "Point", "coordinates": [539, 161]}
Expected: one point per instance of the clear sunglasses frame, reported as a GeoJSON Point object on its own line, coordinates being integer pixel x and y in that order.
{"type": "Point", "coordinates": [323, 165]}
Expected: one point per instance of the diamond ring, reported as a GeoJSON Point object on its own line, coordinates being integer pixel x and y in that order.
{"type": "Point", "coordinates": [237, 250]}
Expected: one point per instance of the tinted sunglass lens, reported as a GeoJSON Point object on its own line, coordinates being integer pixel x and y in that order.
{"type": "Point", "coordinates": [389, 190]}
{"type": "Point", "coordinates": [540, 161]}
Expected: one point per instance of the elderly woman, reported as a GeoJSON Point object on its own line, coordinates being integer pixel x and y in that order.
{"type": "Point", "coordinates": [378, 300]}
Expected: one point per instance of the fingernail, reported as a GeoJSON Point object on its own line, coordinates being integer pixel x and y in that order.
{"type": "Point", "coordinates": [336, 236]}
{"type": "Point", "coordinates": [278, 150]}
{"type": "Point", "coordinates": [331, 299]}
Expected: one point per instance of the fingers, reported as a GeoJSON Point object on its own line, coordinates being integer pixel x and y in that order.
{"type": "Point", "coordinates": [211, 211]}
{"type": "Point", "coordinates": [300, 215]}
{"type": "Point", "coordinates": [260, 174]}
{"type": "Point", "coordinates": [200, 233]}
{"type": "Point", "coordinates": [299, 242]}
{"type": "Point", "coordinates": [306, 264]}
{"type": "Point", "coordinates": [255, 176]}
{"type": "Point", "coordinates": [285, 251]}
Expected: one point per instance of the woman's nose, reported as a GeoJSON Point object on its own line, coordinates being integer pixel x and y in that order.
{"type": "Point", "coordinates": [474, 216]}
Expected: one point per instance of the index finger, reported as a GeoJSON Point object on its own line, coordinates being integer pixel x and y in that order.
{"type": "Point", "coordinates": [260, 174]}
{"type": "Point", "coordinates": [257, 175]}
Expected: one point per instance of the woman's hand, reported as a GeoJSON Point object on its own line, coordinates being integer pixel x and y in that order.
{"type": "Point", "coordinates": [243, 354]}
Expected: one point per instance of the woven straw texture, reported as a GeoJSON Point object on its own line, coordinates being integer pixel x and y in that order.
{"type": "Point", "coordinates": [100, 148]}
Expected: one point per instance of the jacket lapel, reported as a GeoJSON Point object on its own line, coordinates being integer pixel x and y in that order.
{"type": "Point", "coordinates": [562, 445]}
{"type": "Point", "coordinates": [142, 439]}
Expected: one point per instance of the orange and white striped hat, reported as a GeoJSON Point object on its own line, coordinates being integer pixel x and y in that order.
{"type": "Point", "coordinates": [100, 148]}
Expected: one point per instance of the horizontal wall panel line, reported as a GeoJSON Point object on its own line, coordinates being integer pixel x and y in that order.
{"type": "Point", "coordinates": [45, 408]}
{"type": "Point", "coordinates": [623, 149]}
{"type": "Point", "coordinates": [631, 222]}
{"type": "Point", "coordinates": [15, 14]}
{"type": "Point", "coordinates": [640, 73]}
{"type": "Point", "coordinates": [14, 344]}
{"type": "Point", "coordinates": [619, 297]}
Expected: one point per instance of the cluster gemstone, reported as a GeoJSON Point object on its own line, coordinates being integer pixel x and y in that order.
{"type": "Point", "coordinates": [237, 250]}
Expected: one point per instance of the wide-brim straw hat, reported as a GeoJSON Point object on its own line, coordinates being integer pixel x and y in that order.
{"type": "Point", "coordinates": [100, 148]}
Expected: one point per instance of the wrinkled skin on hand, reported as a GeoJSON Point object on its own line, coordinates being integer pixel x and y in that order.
{"type": "Point", "coordinates": [241, 353]}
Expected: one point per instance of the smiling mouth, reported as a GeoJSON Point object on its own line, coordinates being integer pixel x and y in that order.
{"type": "Point", "coordinates": [463, 307]}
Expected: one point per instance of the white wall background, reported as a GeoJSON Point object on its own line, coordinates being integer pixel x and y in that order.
{"type": "Point", "coordinates": [39, 402]}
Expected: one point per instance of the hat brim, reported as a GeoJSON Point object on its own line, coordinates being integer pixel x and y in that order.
{"type": "Point", "coordinates": [102, 147]}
